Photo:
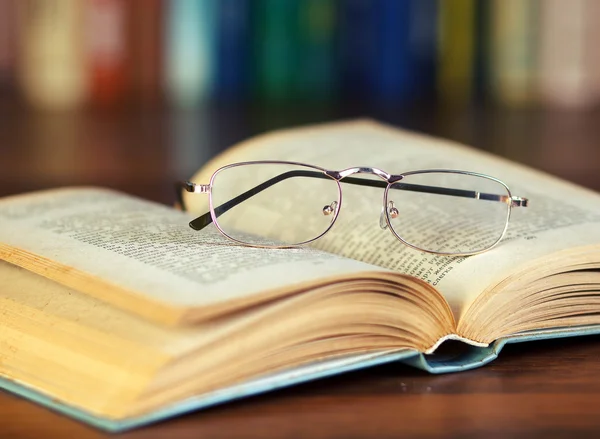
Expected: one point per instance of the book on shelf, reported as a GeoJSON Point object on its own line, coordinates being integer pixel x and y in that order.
{"type": "Point", "coordinates": [107, 55]}
{"type": "Point", "coordinates": [513, 46]}
{"type": "Point", "coordinates": [392, 67]}
{"type": "Point", "coordinates": [276, 42]}
{"type": "Point", "coordinates": [357, 24]}
{"type": "Point", "coordinates": [189, 32]}
{"type": "Point", "coordinates": [423, 47]}
{"type": "Point", "coordinates": [456, 51]}
{"type": "Point", "coordinates": [233, 50]}
{"type": "Point", "coordinates": [388, 50]}
{"type": "Point", "coordinates": [145, 46]}
{"type": "Point", "coordinates": [8, 45]}
{"type": "Point", "coordinates": [51, 53]}
{"type": "Point", "coordinates": [314, 78]}
{"type": "Point", "coordinates": [568, 65]}
{"type": "Point", "coordinates": [116, 313]}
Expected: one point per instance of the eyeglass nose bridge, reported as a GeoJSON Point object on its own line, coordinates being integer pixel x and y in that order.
{"type": "Point", "coordinates": [388, 178]}
{"type": "Point", "coordinates": [338, 175]}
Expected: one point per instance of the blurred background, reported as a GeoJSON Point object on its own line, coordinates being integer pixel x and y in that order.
{"type": "Point", "coordinates": [134, 94]}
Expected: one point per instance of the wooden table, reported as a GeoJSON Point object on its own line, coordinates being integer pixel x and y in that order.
{"type": "Point", "coordinates": [544, 389]}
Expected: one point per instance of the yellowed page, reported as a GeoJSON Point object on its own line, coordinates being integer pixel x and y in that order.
{"type": "Point", "coordinates": [143, 257]}
{"type": "Point", "coordinates": [561, 215]}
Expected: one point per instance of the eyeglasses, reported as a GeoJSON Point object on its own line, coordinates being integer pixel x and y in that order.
{"type": "Point", "coordinates": [279, 204]}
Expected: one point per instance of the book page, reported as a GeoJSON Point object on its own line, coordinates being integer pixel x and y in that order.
{"type": "Point", "coordinates": [561, 215]}
{"type": "Point", "coordinates": [146, 251]}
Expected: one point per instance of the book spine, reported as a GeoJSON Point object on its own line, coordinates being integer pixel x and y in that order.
{"type": "Point", "coordinates": [276, 48]}
{"type": "Point", "coordinates": [513, 51]}
{"type": "Point", "coordinates": [315, 76]}
{"type": "Point", "coordinates": [145, 38]}
{"type": "Point", "coordinates": [456, 50]}
{"type": "Point", "coordinates": [358, 31]}
{"type": "Point", "coordinates": [8, 45]}
{"type": "Point", "coordinates": [51, 59]}
{"type": "Point", "coordinates": [106, 38]}
{"type": "Point", "coordinates": [189, 45]}
{"type": "Point", "coordinates": [482, 62]}
{"type": "Point", "coordinates": [390, 72]}
{"type": "Point", "coordinates": [423, 47]}
{"type": "Point", "coordinates": [568, 68]}
{"type": "Point", "coordinates": [233, 50]}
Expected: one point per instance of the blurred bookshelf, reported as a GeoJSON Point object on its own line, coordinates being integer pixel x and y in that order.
{"type": "Point", "coordinates": [95, 91]}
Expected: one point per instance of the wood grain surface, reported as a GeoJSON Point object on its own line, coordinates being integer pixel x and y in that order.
{"type": "Point", "coordinates": [536, 390]}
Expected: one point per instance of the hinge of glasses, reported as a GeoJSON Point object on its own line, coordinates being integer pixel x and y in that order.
{"type": "Point", "coordinates": [197, 188]}
{"type": "Point", "coordinates": [518, 202]}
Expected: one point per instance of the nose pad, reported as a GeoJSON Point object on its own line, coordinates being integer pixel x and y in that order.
{"type": "Point", "coordinates": [330, 209]}
{"type": "Point", "coordinates": [392, 212]}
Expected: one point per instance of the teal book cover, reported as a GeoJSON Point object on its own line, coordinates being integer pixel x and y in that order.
{"type": "Point", "coordinates": [190, 50]}
{"type": "Point", "coordinates": [469, 358]}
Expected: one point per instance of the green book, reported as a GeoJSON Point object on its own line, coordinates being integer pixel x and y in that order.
{"type": "Point", "coordinates": [456, 48]}
{"type": "Point", "coordinates": [276, 44]}
{"type": "Point", "coordinates": [315, 74]}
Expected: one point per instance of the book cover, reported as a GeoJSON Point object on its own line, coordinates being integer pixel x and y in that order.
{"type": "Point", "coordinates": [465, 360]}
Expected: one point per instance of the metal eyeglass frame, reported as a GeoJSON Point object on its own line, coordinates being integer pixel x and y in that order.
{"type": "Point", "coordinates": [387, 180]}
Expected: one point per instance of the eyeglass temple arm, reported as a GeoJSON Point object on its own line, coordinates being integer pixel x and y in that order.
{"type": "Point", "coordinates": [204, 220]}
{"type": "Point", "coordinates": [180, 186]}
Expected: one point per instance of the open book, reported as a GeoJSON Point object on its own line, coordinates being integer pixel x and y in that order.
{"type": "Point", "coordinates": [115, 312]}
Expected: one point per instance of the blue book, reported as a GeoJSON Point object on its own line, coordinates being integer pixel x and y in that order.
{"type": "Point", "coordinates": [423, 47]}
{"type": "Point", "coordinates": [115, 312]}
{"type": "Point", "coordinates": [233, 50]}
{"type": "Point", "coordinates": [357, 40]}
{"type": "Point", "coordinates": [389, 49]}
{"type": "Point", "coordinates": [392, 69]}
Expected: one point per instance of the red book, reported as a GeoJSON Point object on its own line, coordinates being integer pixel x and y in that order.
{"type": "Point", "coordinates": [106, 38]}
{"type": "Point", "coordinates": [145, 49]}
